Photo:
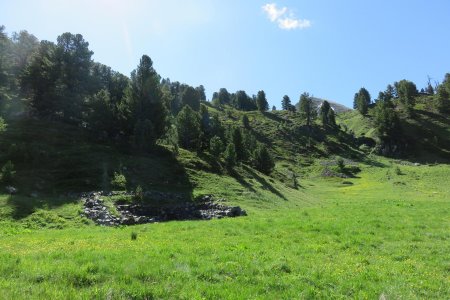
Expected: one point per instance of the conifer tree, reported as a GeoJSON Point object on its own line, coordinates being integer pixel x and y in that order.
{"type": "Point", "coordinates": [362, 101]}
{"type": "Point", "coordinates": [237, 140]}
{"type": "Point", "coordinates": [216, 146]}
{"type": "Point", "coordinates": [230, 156]}
{"type": "Point", "coordinates": [306, 108]}
{"type": "Point", "coordinates": [146, 103]}
{"type": "Point", "coordinates": [407, 92]}
{"type": "Point", "coordinates": [188, 126]}
{"type": "Point", "coordinates": [262, 160]}
{"type": "Point", "coordinates": [285, 103]}
{"type": "Point", "coordinates": [261, 101]}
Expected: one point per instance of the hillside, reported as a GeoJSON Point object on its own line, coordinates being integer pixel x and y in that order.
{"type": "Point", "coordinates": [117, 187]}
{"type": "Point", "coordinates": [426, 134]}
{"type": "Point", "coordinates": [56, 162]}
{"type": "Point", "coordinates": [330, 237]}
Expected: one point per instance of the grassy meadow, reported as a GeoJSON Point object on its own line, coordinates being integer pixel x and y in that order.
{"type": "Point", "coordinates": [384, 233]}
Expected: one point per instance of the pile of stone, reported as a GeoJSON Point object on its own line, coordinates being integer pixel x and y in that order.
{"type": "Point", "coordinates": [140, 212]}
{"type": "Point", "coordinates": [95, 210]}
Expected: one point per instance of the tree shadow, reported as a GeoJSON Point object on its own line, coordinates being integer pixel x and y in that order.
{"type": "Point", "coordinates": [373, 163]}
{"type": "Point", "coordinates": [275, 117]}
{"type": "Point", "coordinates": [56, 162]}
{"type": "Point", "coordinates": [241, 180]}
{"type": "Point", "coordinates": [433, 144]}
{"type": "Point", "coordinates": [265, 185]}
{"type": "Point", "coordinates": [23, 206]}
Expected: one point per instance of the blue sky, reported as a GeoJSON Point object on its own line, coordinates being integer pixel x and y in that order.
{"type": "Point", "coordinates": [328, 48]}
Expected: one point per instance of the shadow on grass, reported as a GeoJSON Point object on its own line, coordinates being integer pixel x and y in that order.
{"type": "Point", "coordinates": [275, 117]}
{"type": "Point", "coordinates": [265, 185]}
{"type": "Point", "coordinates": [83, 167]}
{"type": "Point", "coordinates": [241, 180]}
{"type": "Point", "coordinates": [23, 206]}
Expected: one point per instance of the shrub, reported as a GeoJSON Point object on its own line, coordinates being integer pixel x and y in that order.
{"type": "Point", "coordinates": [119, 181]}
{"type": "Point", "coordinates": [216, 146]}
{"type": "Point", "coordinates": [2, 125]}
{"type": "Point", "coordinates": [230, 156]}
{"type": "Point", "coordinates": [340, 164]}
{"type": "Point", "coordinates": [8, 172]}
{"type": "Point", "coordinates": [139, 193]}
{"type": "Point", "coordinates": [134, 236]}
{"type": "Point", "coordinates": [245, 121]}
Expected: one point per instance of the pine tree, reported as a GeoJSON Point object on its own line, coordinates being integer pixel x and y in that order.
{"type": "Point", "coordinates": [262, 160]}
{"type": "Point", "coordinates": [407, 92]}
{"type": "Point", "coordinates": [40, 78]}
{"type": "Point", "coordinates": [146, 102]}
{"type": "Point", "coordinates": [442, 99]}
{"type": "Point", "coordinates": [331, 118]}
{"type": "Point", "coordinates": [216, 146]}
{"type": "Point", "coordinates": [306, 108]}
{"type": "Point", "coordinates": [261, 101]}
{"type": "Point", "coordinates": [386, 121]}
{"type": "Point", "coordinates": [190, 97]}
{"type": "Point", "coordinates": [285, 103]}
{"type": "Point", "coordinates": [237, 140]}
{"type": "Point", "coordinates": [327, 115]}
{"type": "Point", "coordinates": [188, 126]}
{"type": "Point", "coordinates": [362, 101]}
{"type": "Point", "coordinates": [224, 97]}
{"type": "Point", "coordinates": [230, 156]}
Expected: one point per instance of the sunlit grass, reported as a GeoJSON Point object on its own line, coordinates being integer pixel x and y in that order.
{"type": "Point", "coordinates": [326, 240]}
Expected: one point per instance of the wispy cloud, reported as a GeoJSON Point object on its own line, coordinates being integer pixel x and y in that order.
{"type": "Point", "coordinates": [274, 13]}
{"type": "Point", "coordinates": [290, 23]}
{"type": "Point", "coordinates": [284, 17]}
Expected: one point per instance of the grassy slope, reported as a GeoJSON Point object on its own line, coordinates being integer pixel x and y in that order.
{"type": "Point", "coordinates": [378, 233]}
{"type": "Point", "coordinates": [384, 234]}
{"type": "Point", "coordinates": [427, 132]}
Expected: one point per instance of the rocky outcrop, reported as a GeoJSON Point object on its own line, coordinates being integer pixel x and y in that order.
{"type": "Point", "coordinates": [95, 210]}
{"type": "Point", "coordinates": [206, 208]}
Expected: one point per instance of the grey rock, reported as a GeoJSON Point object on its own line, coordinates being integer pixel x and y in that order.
{"type": "Point", "coordinates": [11, 190]}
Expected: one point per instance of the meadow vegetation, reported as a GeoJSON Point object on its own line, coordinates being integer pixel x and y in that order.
{"type": "Point", "coordinates": [340, 205]}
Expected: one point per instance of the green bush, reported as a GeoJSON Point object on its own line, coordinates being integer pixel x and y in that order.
{"type": "Point", "coordinates": [262, 160]}
{"type": "Point", "coordinates": [340, 164]}
{"type": "Point", "coordinates": [139, 193]}
{"type": "Point", "coordinates": [119, 181]}
{"type": "Point", "coordinates": [215, 146]}
{"type": "Point", "coordinates": [8, 172]}
{"type": "Point", "coordinates": [230, 156]}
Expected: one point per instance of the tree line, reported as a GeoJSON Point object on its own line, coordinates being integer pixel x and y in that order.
{"type": "Point", "coordinates": [400, 97]}
{"type": "Point", "coordinates": [60, 82]}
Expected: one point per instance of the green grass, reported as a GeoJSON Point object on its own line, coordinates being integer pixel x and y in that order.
{"type": "Point", "coordinates": [383, 234]}
{"type": "Point", "coordinates": [358, 124]}
{"type": "Point", "coordinates": [383, 231]}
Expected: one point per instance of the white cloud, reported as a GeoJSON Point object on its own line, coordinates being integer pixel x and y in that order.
{"type": "Point", "coordinates": [284, 17]}
{"type": "Point", "coordinates": [289, 23]}
{"type": "Point", "coordinates": [273, 13]}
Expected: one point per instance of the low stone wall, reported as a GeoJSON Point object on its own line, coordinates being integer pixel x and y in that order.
{"type": "Point", "coordinates": [206, 208]}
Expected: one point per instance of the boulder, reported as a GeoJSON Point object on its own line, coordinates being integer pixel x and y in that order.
{"type": "Point", "coordinates": [11, 190]}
